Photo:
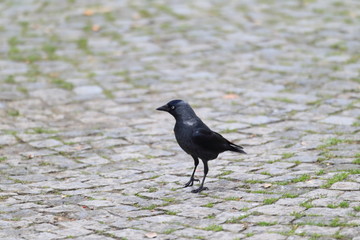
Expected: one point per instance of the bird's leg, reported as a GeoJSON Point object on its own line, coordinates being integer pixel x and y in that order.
{"type": "Point", "coordinates": [192, 179]}
{"type": "Point", "coordinates": [201, 188]}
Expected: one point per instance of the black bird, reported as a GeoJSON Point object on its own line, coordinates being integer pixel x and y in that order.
{"type": "Point", "coordinates": [197, 139]}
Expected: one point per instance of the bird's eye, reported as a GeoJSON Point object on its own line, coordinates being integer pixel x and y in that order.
{"type": "Point", "coordinates": [172, 107]}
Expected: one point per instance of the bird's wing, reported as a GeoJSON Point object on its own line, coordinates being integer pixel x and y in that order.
{"type": "Point", "coordinates": [209, 140]}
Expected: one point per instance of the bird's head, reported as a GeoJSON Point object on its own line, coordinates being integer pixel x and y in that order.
{"type": "Point", "coordinates": [177, 108]}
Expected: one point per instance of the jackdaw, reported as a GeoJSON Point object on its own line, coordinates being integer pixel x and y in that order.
{"type": "Point", "coordinates": [197, 139]}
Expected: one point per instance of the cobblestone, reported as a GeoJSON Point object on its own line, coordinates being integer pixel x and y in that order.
{"type": "Point", "coordinates": [84, 154]}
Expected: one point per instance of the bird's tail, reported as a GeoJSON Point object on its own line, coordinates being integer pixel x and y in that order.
{"type": "Point", "coordinates": [236, 148]}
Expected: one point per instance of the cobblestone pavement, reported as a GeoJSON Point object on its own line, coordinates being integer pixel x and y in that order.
{"type": "Point", "coordinates": [84, 155]}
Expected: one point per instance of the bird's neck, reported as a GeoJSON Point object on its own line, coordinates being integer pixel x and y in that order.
{"type": "Point", "coordinates": [187, 118]}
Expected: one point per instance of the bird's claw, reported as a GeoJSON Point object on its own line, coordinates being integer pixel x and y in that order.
{"type": "Point", "coordinates": [191, 182]}
{"type": "Point", "coordinates": [200, 189]}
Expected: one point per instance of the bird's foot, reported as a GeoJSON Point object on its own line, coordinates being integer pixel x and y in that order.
{"type": "Point", "coordinates": [200, 189]}
{"type": "Point", "coordinates": [191, 182]}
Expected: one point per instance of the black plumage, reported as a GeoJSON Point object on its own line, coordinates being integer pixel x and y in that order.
{"type": "Point", "coordinates": [197, 139]}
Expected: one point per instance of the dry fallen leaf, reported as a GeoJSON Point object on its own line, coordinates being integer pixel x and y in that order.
{"type": "Point", "coordinates": [95, 28]}
{"type": "Point", "coordinates": [78, 147]}
{"type": "Point", "coordinates": [88, 12]}
{"type": "Point", "coordinates": [136, 16]}
{"type": "Point", "coordinates": [230, 96]}
{"type": "Point", "coordinates": [151, 235]}
{"type": "Point", "coordinates": [63, 219]}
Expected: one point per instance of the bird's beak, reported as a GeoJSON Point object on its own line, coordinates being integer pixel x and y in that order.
{"type": "Point", "coordinates": [163, 108]}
